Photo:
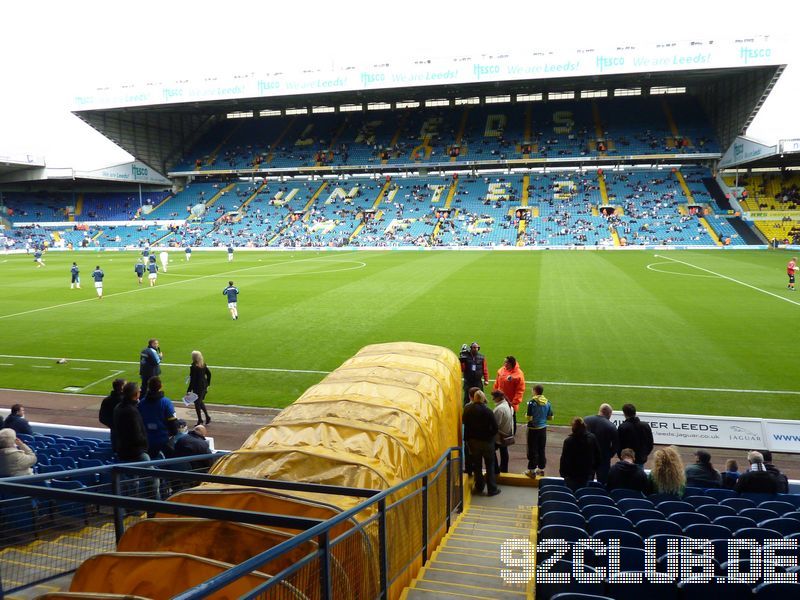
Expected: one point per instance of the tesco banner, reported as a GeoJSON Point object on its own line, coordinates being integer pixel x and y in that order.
{"type": "Point", "coordinates": [708, 432]}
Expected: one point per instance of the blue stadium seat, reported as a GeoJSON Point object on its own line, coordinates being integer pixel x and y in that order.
{"type": "Point", "coordinates": [659, 498]}
{"type": "Point", "coordinates": [562, 532]}
{"type": "Point", "coordinates": [712, 511]}
{"type": "Point", "coordinates": [547, 482]}
{"type": "Point", "coordinates": [552, 494]}
{"type": "Point", "coordinates": [684, 519]}
{"type": "Point", "coordinates": [625, 504]}
{"type": "Point", "coordinates": [708, 531]}
{"type": "Point", "coordinates": [552, 505]}
{"type": "Point", "coordinates": [626, 538]}
{"type": "Point", "coordinates": [782, 525]}
{"type": "Point", "coordinates": [600, 522]}
{"type": "Point", "coordinates": [778, 506]}
{"type": "Point", "coordinates": [640, 514]}
{"type": "Point", "coordinates": [599, 509]}
{"type": "Point", "coordinates": [651, 527]}
{"type": "Point", "coordinates": [676, 558]}
{"type": "Point", "coordinates": [595, 499]}
{"type": "Point", "coordinates": [758, 514]}
{"type": "Point", "coordinates": [692, 491]}
{"type": "Point", "coordinates": [758, 498]}
{"type": "Point", "coordinates": [757, 533]}
{"type": "Point", "coordinates": [547, 591]}
{"type": "Point", "coordinates": [698, 501]}
{"type": "Point", "coordinates": [776, 591]}
{"type": "Point", "coordinates": [718, 591]}
{"type": "Point", "coordinates": [793, 499]}
{"type": "Point", "coordinates": [65, 462]}
{"type": "Point", "coordinates": [651, 591]}
{"type": "Point", "coordinates": [619, 494]}
{"type": "Point", "coordinates": [734, 523]}
{"type": "Point", "coordinates": [738, 504]}
{"type": "Point", "coordinates": [590, 491]}
{"type": "Point", "coordinates": [566, 518]}
{"type": "Point", "coordinates": [720, 494]}
{"type": "Point", "coordinates": [578, 596]}
{"type": "Point", "coordinates": [793, 515]}
{"type": "Point", "coordinates": [674, 506]}
{"type": "Point", "coordinates": [660, 541]}
{"type": "Point", "coordinates": [69, 508]}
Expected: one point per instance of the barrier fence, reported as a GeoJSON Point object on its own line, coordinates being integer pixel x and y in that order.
{"type": "Point", "coordinates": [53, 522]}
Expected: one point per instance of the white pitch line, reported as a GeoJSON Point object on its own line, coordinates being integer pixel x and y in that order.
{"type": "Point", "coordinates": [132, 362]}
{"type": "Point", "coordinates": [114, 374]}
{"type": "Point", "coordinates": [561, 383]}
{"type": "Point", "coordinates": [40, 367]}
{"type": "Point", "coordinates": [752, 287]}
{"type": "Point", "coordinates": [163, 285]}
{"type": "Point", "coordinates": [6, 364]}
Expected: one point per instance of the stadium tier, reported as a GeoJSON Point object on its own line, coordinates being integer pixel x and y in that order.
{"type": "Point", "coordinates": [556, 208]}
{"type": "Point", "coordinates": [557, 129]}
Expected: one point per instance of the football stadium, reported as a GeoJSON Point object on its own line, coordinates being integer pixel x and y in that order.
{"type": "Point", "coordinates": [343, 245]}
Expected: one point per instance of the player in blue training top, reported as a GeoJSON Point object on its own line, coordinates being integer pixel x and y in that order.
{"type": "Point", "coordinates": [138, 268]}
{"type": "Point", "coordinates": [188, 253]}
{"type": "Point", "coordinates": [98, 275]}
{"type": "Point", "coordinates": [233, 294]}
{"type": "Point", "coordinates": [152, 273]}
{"type": "Point", "coordinates": [146, 252]}
{"type": "Point", "coordinates": [230, 252]}
{"type": "Point", "coordinates": [37, 258]}
{"type": "Point", "coordinates": [76, 276]}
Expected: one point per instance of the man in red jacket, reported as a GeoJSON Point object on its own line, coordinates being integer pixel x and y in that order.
{"type": "Point", "coordinates": [511, 381]}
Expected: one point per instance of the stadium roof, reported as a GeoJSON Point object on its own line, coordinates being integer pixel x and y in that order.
{"type": "Point", "coordinates": [37, 173]}
{"type": "Point", "coordinates": [14, 165]}
{"type": "Point", "coordinates": [157, 122]}
{"type": "Point", "coordinates": [747, 153]}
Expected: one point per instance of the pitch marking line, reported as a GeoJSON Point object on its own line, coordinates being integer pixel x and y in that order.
{"type": "Point", "coordinates": [314, 372]}
{"type": "Point", "coordinates": [651, 267]}
{"type": "Point", "coordinates": [163, 285]}
{"type": "Point", "coordinates": [752, 287]}
{"type": "Point", "coordinates": [114, 374]}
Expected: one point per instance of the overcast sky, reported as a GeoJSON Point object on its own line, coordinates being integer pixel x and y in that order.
{"type": "Point", "coordinates": [53, 50]}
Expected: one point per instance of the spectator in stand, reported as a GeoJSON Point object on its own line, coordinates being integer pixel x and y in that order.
{"type": "Point", "coordinates": [194, 443]}
{"type": "Point", "coordinates": [109, 403]}
{"type": "Point", "coordinates": [128, 435]}
{"type": "Point", "coordinates": [160, 421]}
{"type": "Point", "coordinates": [731, 474]}
{"type": "Point", "coordinates": [667, 475]}
{"type": "Point", "coordinates": [480, 430]}
{"type": "Point", "coordinates": [626, 474]}
{"type": "Point", "coordinates": [16, 458]}
{"type": "Point", "coordinates": [473, 366]}
{"type": "Point", "coordinates": [756, 478]}
{"type": "Point", "coordinates": [502, 414]}
{"type": "Point", "coordinates": [16, 420]}
{"type": "Point", "coordinates": [580, 455]}
{"type": "Point", "coordinates": [511, 381]}
{"type": "Point", "coordinates": [539, 412]}
{"type": "Point", "coordinates": [182, 430]}
{"type": "Point", "coordinates": [635, 434]}
{"type": "Point", "coordinates": [783, 481]}
{"type": "Point", "coordinates": [603, 428]}
{"type": "Point", "coordinates": [702, 474]}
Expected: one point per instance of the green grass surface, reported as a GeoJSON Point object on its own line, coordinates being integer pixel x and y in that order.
{"type": "Point", "coordinates": [612, 318]}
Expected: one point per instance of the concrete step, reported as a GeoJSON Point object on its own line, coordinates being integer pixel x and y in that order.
{"type": "Point", "coordinates": [459, 576]}
{"type": "Point", "coordinates": [469, 557]}
{"type": "Point", "coordinates": [469, 591]}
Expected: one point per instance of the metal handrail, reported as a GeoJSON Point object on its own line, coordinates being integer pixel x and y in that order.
{"type": "Point", "coordinates": [252, 564]}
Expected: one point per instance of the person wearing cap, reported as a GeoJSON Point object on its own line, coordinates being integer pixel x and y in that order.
{"type": "Point", "coordinates": [473, 366]}
{"type": "Point", "coordinates": [511, 381]}
{"type": "Point", "coordinates": [702, 474]}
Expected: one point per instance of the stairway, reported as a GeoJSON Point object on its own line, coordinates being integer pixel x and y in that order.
{"type": "Point", "coordinates": [716, 193]}
{"type": "Point", "coordinates": [467, 562]}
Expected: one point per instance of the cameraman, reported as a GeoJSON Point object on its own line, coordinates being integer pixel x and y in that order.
{"type": "Point", "coordinates": [473, 366]}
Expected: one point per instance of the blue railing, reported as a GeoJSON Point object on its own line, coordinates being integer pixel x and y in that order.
{"type": "Point", "coordinates": [363, 551]}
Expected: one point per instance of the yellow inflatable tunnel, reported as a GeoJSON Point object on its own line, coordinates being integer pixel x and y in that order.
{"type": "Point", "coordinates": [385, 415]}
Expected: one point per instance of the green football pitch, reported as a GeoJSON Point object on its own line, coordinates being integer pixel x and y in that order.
{"type": "Point", "coordinates": [703, 332]}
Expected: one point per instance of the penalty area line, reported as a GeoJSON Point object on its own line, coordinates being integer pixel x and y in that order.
{"type": "Point", "coordinates": [720, 275]}
{"type": "Point", "coordinates": [317, 372]}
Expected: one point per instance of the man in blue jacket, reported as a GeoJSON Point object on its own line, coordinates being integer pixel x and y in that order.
{"type": "Point", "coordinates": [160, 420]}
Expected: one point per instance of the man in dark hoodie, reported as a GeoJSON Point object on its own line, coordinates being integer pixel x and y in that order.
{"type": "Point", "coordinates": [635, 434]}
{"type": "Point", "coordinates": [626, 474]}
{"type": "Point", "coordinates": [605, 431]}
{"type": "Point", "coordinates": [783, 481]}
{"type": "Point", "coordinates": [160, 420]}
{"type": "Point", "coordinates": [128, 435]}
{"type": "Point", "coordinates": [109, 403]}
